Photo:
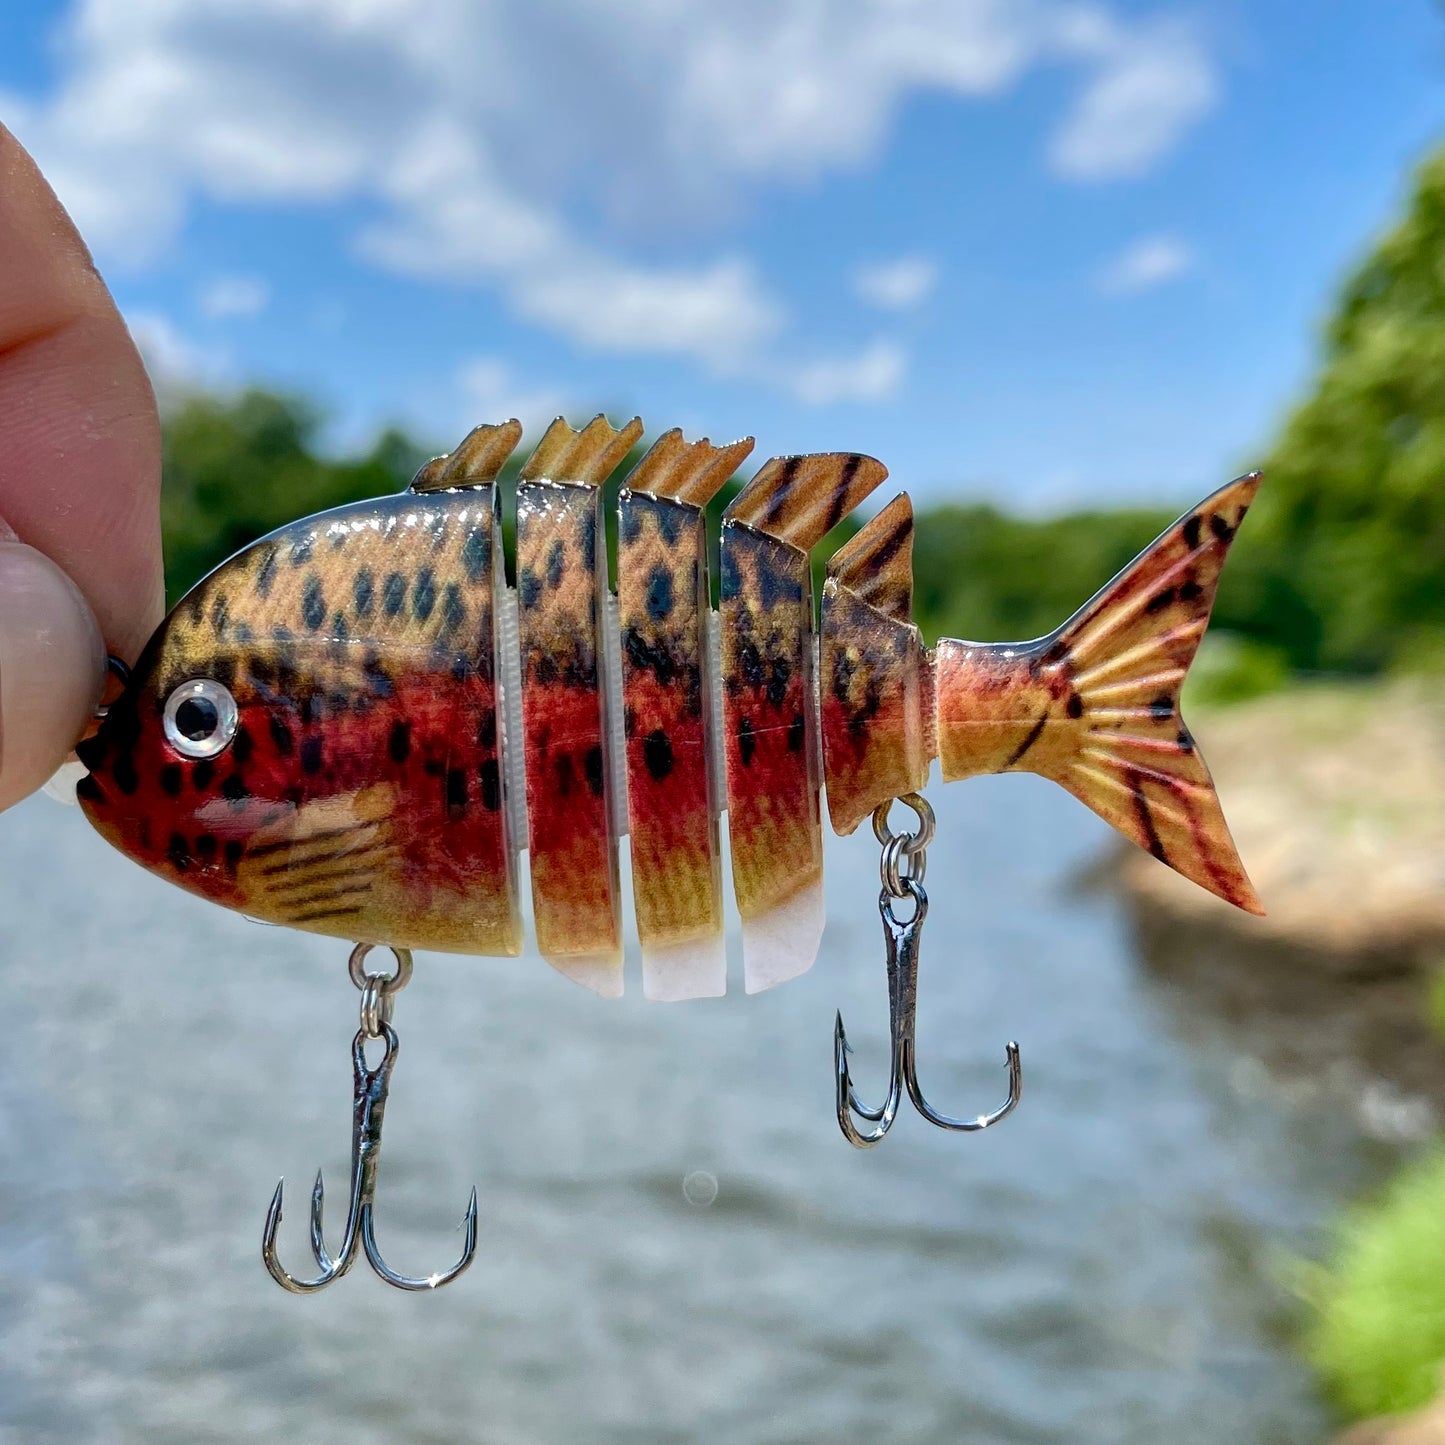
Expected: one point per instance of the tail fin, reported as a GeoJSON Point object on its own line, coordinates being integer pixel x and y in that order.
{"type": "Point", "coordinates": [1095, 705]}
{"type": "Point", "coordinates": [1126, 654]}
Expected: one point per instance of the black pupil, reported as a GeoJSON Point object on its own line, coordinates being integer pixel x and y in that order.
{"type": "Point", "coordinates": [197, 719]}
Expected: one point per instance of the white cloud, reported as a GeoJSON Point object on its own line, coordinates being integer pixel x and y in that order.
{"type": "Point", "coordinates": [1151, 85]}
{"type": "Point", "coordinates": [897, 285]}
{"type": "Point", "coordinates": [1144, 264]}
{"type": "Point", "coordinates": [529, 145]}
{"type": "Point", "coordinates": [491, 393]}
{"type": "Point", "coordinates": [175, 363]}
{"type": "Point", "coordinates": [462, 225]}
{"type": "Point", "coordinates": [873, 375]}
{"type": "Point", "coordinates": [720, 315]}
{"type": "Point", "coordinates": [233, 296]}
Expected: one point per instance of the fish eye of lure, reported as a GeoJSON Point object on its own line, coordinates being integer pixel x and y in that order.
{"type": "Point", "coordinates": [201, 718]}
{"type": "Point", "coordinates": [355, 727]}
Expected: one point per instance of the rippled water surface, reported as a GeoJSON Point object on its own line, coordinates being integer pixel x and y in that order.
{"type": "Point", "coordinates": [676, 1243]}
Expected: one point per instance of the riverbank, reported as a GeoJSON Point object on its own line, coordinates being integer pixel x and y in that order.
{"type": "Point", "coordinates": [1336, 797]}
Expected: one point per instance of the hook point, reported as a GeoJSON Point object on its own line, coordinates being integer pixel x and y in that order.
{"type": "Point", "coordinates": [901, 939]}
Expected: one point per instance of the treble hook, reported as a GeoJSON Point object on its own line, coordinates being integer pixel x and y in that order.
{"type": "Point", "coordinates": [371, 1086]}
{"type": "Point", "coordinates": [902, 944]}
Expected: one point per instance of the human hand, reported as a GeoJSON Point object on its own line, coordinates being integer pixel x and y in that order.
{"type": "Point", "coordinates": [80, 547]}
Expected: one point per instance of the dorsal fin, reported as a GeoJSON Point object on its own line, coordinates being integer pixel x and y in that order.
{"type": "Point", "coordinates": [687, 471]}
{"type": "Point", "coordinates": [428, 473]}
{"type": "Point", "coordinates": [801, 499]}
{"type": "Point", "coordinates": [876, 566]}
{"type": "Point", "coordinates": [590, 456]}
{"type": "Point", "coordinates": [482, 453]}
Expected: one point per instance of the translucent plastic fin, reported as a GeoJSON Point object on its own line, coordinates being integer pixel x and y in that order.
{"type": "Point", "coordinates": [1095, 705]}
{"type": "Point", "coordinates": [799, 500]}
{"type": "Point", "coordinates": [475, 463]}
{"type": "Point", "coordinates": [687, 471]}
{"type": "Point", "coordinates": [588, 456]}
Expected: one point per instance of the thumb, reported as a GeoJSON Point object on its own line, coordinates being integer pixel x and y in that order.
{"type": "Point", "coordinates": [52, 667]}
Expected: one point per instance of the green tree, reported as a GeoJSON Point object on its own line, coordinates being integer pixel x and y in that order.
{"type": "Point", "coordinates": [236, 469]}
{"type": "Point", "coordinates": [1342, 565]}
{"type": "Point", "coordinates": [983, 575]}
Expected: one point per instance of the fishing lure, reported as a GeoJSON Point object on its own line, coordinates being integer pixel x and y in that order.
{"type": "Point", "coordinates": [355, 726]}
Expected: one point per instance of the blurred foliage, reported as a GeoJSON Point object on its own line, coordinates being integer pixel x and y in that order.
{"type": "Point", "coordinates": [983, 575]}
{"type": "Point", "coordinates": [237, 469]}
{"type": "Point", "coordinates": [1341, 567]}
{"type": "Point", "coordinates": [1231, 668]}
{"type": "Point", "coordinates": [1378, 1336]}
{"type": "Point", "coordinates": [1435, 1003]}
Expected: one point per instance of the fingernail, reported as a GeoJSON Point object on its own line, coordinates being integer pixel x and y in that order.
{"type": "Point", "coordinates": [52, 668]}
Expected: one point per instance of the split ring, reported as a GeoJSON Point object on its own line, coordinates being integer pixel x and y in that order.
{"type": "Point", "coordinates": [387, 983]}
{"type": "Point", "coordinates": [913, 842]}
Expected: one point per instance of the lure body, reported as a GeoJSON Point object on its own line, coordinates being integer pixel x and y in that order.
{"type": "Point", "coordinates": [387, 715]}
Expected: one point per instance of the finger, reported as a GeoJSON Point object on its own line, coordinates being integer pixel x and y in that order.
{"type": "Point", "coordinates": [79, 436]}
{"type": "Point", "coordinates": [51, 668]}
{"type": "Point", "coordinates": [79, 482]}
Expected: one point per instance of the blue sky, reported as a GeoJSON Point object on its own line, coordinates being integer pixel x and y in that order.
{"type": "Point", "coordinates": [1043, 251]}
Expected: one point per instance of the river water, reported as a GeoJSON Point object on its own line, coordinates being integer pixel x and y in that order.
{"type": "Point", "coordinates": [676, 1244]}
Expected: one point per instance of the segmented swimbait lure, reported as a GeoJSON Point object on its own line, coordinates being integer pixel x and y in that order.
{"type": "Point", "coordinates": [354, 727]}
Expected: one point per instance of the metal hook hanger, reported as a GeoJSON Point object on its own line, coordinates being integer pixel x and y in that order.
{"type": "Point", "coordinates": [903, 864]}
{"type": "Point", "coordinates": [371, 1087]}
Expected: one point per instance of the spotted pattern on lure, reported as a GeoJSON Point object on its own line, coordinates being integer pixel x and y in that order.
{"type": "Point", "coordinates": [877, 705]}
{"type": "Point", "coordinates": [364, 783]}
{"type": "Point", "coordinates": [561, 590]}
{"type": "Point", "coordinates": [673, 799]}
